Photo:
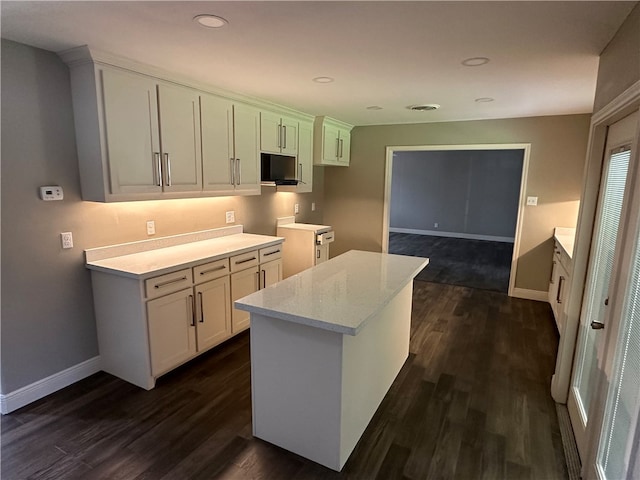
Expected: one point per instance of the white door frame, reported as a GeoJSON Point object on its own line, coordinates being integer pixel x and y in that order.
{"type": "Point", "coordinates": [526, 147]}
{"type": "Point", "coordinates": [620, 107]}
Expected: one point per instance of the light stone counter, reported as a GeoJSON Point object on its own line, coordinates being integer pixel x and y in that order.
{"type": "Point", "coordinates": [326, 345]}
{"type": "Point", "coordinates": [566, 238]}
{"type": "Point", "coordinates": [340, 295]}
{"type": "Point", "coordinates": [148, 258]}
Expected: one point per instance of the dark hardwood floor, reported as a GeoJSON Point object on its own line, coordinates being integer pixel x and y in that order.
{"type": "Point", "coordinates": [471, 402]}
{"type": "Point", "coordinates": [457, 261]}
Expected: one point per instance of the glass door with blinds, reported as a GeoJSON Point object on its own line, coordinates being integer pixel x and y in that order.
{"type": "Point", "coordinates": [590, 344]}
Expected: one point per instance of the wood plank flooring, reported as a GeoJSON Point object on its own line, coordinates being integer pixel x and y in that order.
{"type": "Point", "coordinates": [458, 261]}
{"type": "Point", "coordinates": [471, 402]}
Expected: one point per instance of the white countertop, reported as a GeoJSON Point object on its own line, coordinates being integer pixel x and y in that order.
{"type": "Point", "coordinates": [566, 238]}
{"type": "Point", "coordinates": [340, 295]}
{"type": "Point", "coordinates": [307, 226]}
{"type": "Point", "coordinates": [144, 264]}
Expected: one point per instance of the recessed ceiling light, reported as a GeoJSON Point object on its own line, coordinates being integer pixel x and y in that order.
{"type": "Point", "coordinates": [475, 61]}
{"type": "Point", "coordinates": [484, 100]}
{"type": "Point", "coordinates": [424, 108]}
{"type": "Point", "coordinates": [374, 107]}
{"type": "Point", "coordinates": [323, 80]}
{"type": "Point", "coordinates": [210, 21]}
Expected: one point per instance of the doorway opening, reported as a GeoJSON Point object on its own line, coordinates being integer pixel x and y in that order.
{"type": "Point", "coordinates": [459, 205]}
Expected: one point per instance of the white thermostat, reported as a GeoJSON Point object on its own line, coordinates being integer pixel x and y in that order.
{"type": "Point", "coordinates": [51, 192]}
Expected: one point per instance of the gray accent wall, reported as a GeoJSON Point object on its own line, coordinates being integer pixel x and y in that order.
{"type": "Point", "coordinates": [47, 318]}
{"type": "Point", "coordinates": [472, 192]}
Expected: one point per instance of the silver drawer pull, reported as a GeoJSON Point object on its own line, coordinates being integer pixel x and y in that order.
{"type": "Point", "coordinates": [238, 262]}
{"type": "Point", "coordinates": [214, 269]}
{"type": "Point", "coordinates": [271, 253]}
{"type": "Point", "coordinates": [169, 282]}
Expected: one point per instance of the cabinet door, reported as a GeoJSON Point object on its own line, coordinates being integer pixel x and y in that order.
{"type": "Point", "coordinates": [344, 148]}
{"type": "Point", "coordinates": [330, 144]}
{"type": "Point", "coordinates": [270, 132]}
{"type": "Point", "coordinates": [179, 112]}
{"type": "Point", "coordinates": [213, 312]}
{"type": "Point", "coordinates": [172, 333]}
{"type": "Point", "coordinates": [131, 132]}
{"type": "Point", "coordinates": [304, 171]}
{"type": "Point", "coordinates": [217, 144]}
{"type": "Point", "coordinates": [270, 273]}
{"type": "Point", "coordinates": [246, 123]}
{"type": "Point", "coordinates": [243, 283]}
{"type": "Point", "coordinates": [289, 141]}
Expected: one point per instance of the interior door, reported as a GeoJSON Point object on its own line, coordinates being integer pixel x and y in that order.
{"type": "Point", "coordinates": [603, 257]}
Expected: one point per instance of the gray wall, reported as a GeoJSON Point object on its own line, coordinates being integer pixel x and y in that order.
{"type": "Point", "coordinates": [47, 310]}
{"type": "Point", "coordinates": [463, 191]}
{"type": "Point", "coordinates": [354, 196]}
{"type": "Point", "coordinates": [620, 61]}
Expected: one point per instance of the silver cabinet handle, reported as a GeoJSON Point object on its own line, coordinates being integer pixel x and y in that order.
{"type": "Point", "coordinates": [193, 320]}
{"type": "Point", "coordinates": [156, 156]}
{"type": "Point", "coordinates": [279, 136]}
{"type": "Point", "coordinates": [559, 294]}
{"type": "Point", "coordinates": [201, 308]}
{"type": "Point", "coordinates": [238, 262]}
{"type": "Point", "coordinates": [553, 267]}
{"type": "Point", "coordinates": [300, 173]}
{"type": "Point", "coordinates": [597, 325]}
{"type": "Point", "coordinates": [337, 148]}
{"type": "Point", "coordinates": [264, 278]}
{"type": "Point", "coordinates": [239, 170]}
{"type": "Point", "coordinates": [214, 269]}
{"type": "Point", "coordinates": [232, 171]}
{"type": "Point", "coordinates": [271, 253]}
{"type": "Point", "coordinates": [167, 162]}
{"type": "Point", "coordinates": [341, 147]}
{"type": "Point", "coordinates": [169, 282]}
{"type": "Point", "coordinates": [284, 143]}
{"type": "Point", "coordinates": [318, 253]}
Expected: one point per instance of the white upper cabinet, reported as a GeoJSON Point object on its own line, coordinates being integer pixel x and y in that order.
{"type": "Point", "coordinates": [332, 142]}
{"type": "Point", "coordinates": [179, 116]}
{"type": "Point", "coordinates": [304, 166]}
{"type": "Point", "coordinates": [230, 146]}
{"type": "Point", "coordinates": [132, 139]}
{"type": "Point", "coordinates": [278, 134]}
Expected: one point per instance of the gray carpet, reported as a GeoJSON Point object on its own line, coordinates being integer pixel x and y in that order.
{"type": "Point", "coordinates": [455, 261]}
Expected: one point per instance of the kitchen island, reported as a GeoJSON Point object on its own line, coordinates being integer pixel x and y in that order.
{"type": "Point", "coordinates": [326, 345]}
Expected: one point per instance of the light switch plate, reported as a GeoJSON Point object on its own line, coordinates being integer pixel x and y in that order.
{"type": "Point", "coordinates": [313, 206]}
{"type": "Point", "coordinates": [533, 201]}
{"type": "Point", "coordinates": [231, 216]}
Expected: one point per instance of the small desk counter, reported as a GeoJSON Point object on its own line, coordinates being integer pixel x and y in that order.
{"type": "Point", "coordinates": [326, 345]}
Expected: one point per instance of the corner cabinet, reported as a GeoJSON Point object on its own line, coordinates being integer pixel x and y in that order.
{"type": "Point", "coordinates": [332, 142]}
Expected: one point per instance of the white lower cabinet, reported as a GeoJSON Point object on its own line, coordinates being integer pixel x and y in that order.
{"type": "Point", "coordinates": [559, 284]}
{"type": "Point", "coordinates": [149, 327]}
{"type": "Point", "coordinates": [172, 333]}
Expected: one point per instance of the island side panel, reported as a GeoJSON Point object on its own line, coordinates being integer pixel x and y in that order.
{"type": "Point", "coordinates": [296, 388]}
{"type": "Point", "coordinates": [371, 361]}
{"type": "Point", "coordinates": [122, 328]}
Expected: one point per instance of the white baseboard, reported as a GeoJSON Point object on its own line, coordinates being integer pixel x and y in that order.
{"type": "Point", "coordinates": [37, 390]}
{"type": "Point", "coordinates": [467, 236]}
{"type": "Point", "coordinates": [538, 295]}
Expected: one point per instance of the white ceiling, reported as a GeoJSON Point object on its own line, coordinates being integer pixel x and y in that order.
{"type": "Point", "coordinates": [544, 55]}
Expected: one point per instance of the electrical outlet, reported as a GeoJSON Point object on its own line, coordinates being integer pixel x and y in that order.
{"type": "Point", "coordinates": [296, 208]}
{"type": "Point", "coordinates": [313, 206]}
{"type": "Point", "coordinates": [435, 225]}
{"type": "Point", "coordinates": [151, 227]}
{"type": "Point", "coordinates": [67, 239]}
{"type": "Point", "coordinates": [231, 216]}
{"type": "Point", "coordinates": [533, 201]}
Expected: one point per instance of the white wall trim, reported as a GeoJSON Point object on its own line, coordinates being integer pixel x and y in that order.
{"type": "Point", "coordinates": [537, 295]}
{"type": "Point", "coordinates": [440, 233]}
{"type": "Point", "coordinates": [37, 390]}
{"type": "Point", "coordinates": [526, 147]}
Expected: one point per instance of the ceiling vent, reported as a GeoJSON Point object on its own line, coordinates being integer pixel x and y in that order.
{"type": "Point", "coordinates": [424, 108]}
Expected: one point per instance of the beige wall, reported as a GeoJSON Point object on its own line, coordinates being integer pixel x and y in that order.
{"type": "Point", "coordinates": [620, 61]}
{"type": "Point", "coordinates": [47, 310]}
{"type": "Point", "coordinates": [354, 195]}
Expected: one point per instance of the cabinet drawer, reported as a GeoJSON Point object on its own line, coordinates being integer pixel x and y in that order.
{"type": "Point", "coordinates": [270, 253]}
{"type": "Point", "coordinates": [170, 282]}
{"type": "Point", "coordinates": [244, 260]}
{"type": "Point", "coordinates": [211, 270]}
